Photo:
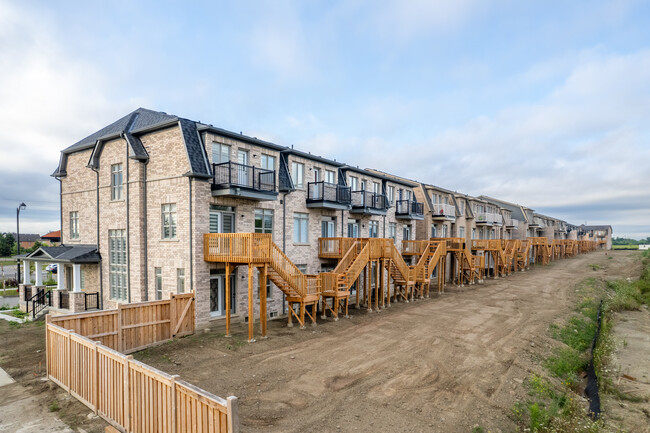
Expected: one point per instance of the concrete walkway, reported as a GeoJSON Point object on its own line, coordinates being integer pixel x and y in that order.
{"type": "Point", "coordinates": [20, 412]}
{"type": "Point", "coordinates": [9, 318]}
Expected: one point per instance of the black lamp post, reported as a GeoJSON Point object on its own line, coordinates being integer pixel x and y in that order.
{"type": "Point", "coordinates": [22, 206]}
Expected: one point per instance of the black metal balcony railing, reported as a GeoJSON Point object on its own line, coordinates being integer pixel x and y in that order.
{"type": "Point", "coordinates": [325, 191]}
{"type": "Point", "coordinates": [233, 174]}
{"type": "Point", "coordinates": [409, 207]}
{"type": "Point", "coordinates": [367, 199]}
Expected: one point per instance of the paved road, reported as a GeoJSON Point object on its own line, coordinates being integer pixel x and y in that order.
{"type": "Point", "coordinates": [20, 412]}
{"type": "Point", "coordinates": [11, 301]}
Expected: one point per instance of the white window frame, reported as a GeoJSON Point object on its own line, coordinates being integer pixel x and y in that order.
{"type": "Point", "coordinates": [180, 280]}
{"type": "Point", "coordinates": [300, 228]}
{"type": "Point", "coordinates": [391, 194]}
{"type": "Point", "coordinates": [117, 180]}
{"type": "Point", "coordinates": [157, 272]}
{"type": "Point", "coordinates": [118, 257]}
{"type": "Point", "coordinates": [330, 176]}
{"type": "Point", "coordinates": [74, 225]}
{"type": "Point", "coordinates": [219, 150]}
{"type": "Point", "coordinates": [298, 174]}
{"type": "Point", "coordinates": [263, 215]}
{"type": "Point", "coordinates": [268, 162]}
{"type": "Point", "coordinates": [168, 221]}
{"type": "Point", "coordinates": [373, 229]}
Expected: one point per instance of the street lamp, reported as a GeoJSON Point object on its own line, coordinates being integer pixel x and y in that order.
{"type": "Point", "coordinates": [22, 206]}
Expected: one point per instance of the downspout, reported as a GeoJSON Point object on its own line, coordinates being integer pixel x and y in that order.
{"type": "Point", "coordinates": [144, 227]}
{"type": "Point", "coordinates": [342, 225]}
{"type": "Point", "coordinates": [60, 209]}
{"type": "Point", "coordinates": [191, 252]}
{"type": "Point", "coordinates": [128, 234]}
{"type": "Point", "coordinates": [284, 244]}
{"type": "Point", "coordinates": [101, 280]}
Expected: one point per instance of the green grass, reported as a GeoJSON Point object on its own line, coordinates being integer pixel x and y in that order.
{"type": "Point", "coordinates": [625, 247]}
{"type": "Point", "coordinates": [9, 292]}
{"type": "Point", "coordinates": [595, 267]}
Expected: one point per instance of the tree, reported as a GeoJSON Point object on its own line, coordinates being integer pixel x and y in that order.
{"type": "Point", "coordinates": [7, 243]}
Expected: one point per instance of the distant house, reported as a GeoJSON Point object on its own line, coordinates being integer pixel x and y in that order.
{"type": "Point", "coordinates": [53, 238]}
{"type": "Point", "coordinates": [27, 240]}
{"type": "Point", "coordinates": [644, 246]}
{"type": "Point", "coordinates": [601, 234]}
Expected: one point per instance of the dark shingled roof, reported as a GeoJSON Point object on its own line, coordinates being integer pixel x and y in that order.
{"type": "Point", "coordinates": [143, 119]}
{"type": "Point", "coordinates": [195, 152]}
{"type": "Point", "coordinates": [597, 228]}
{"type": "Point", "coordinates": [68, 253]}
{"type": "Point", "coordinates": [27, 237]}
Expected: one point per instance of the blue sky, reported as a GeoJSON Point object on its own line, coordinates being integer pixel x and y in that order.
{"type": "Point", "coordinates": [545, 104]}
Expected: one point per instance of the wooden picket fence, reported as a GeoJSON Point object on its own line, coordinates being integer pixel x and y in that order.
{"type": "Point", "coordinates": [133, 327]}
{"type": "Point", "coordinates": [83, 357]}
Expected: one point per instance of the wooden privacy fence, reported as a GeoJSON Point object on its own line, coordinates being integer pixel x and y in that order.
{"type": "Point", "coordinates": [132, 396]}
{"type": "Point", "coordinates": [133, 327]}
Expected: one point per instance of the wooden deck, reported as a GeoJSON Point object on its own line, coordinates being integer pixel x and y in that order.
{"type": "Point", "coordinates": [358, 258]}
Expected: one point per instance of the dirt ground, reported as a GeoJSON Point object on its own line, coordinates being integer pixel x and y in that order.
{"type": "Point", "coordinates": [447, 364]}
{"type": "Point", "coordinates": [444, 364]}
{"type": "Point", "coordinates": [630, 371]}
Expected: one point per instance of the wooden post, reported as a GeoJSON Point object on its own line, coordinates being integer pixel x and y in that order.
{"type": "Point", "coordinates": [172, 315]}
{"type": "Point", "coordinates": [233, 415]}
{"type": "Point", "coordinates": [47, 345]}
{"type": "Point", "coordinates": [386, 265]}
{"type": "Point", "coordinates": [119, 328]}
{"type": "Point", "coordinates": [377, 285]}
{"type": "Point", "coordinates": [227, 299]}
{"type": "Point", "coordinates": [251, 307]}
{"type": "Point", "coordinates": [381, 282]}
{"type": "Point", "coordinates": [263, 299]}
{"type": "Point", "coordinates": [173, 402]}
{"type": "Point", "coordinates": [96, 379]}
{"type": "Point", "coordinates": [127, 390]}
{"type": "Point", "coordinates": [69, 366]}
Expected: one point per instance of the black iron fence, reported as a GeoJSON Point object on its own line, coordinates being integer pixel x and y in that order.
{"type": "Point", "coordinates": [367, 199]}
{"type": "Point", "coordinates": [325, 191]}
{"type": "Point", "coordinates": [409, 207]}
{"type": "Point", "coordinates": [233, 174]}
{"type": "Point", "coordinates": [91, 301]}
{"type": "Point", "coordinates": [40, 300]}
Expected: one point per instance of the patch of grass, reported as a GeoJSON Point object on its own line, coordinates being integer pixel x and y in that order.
{"type": "Point", "coordinates": [6, 307]}
{"type": "Point", "coordinates": [478, 429]}
{"type": "Point", "coordinates": [577, 333]}
{"type": "Point", "coordinates": [17, 313]}
{"type": "Point", "coordinates": [566, 363]}
{"type": "Point", "coordinates": [9, 292]}
{"type": "Point", "coordinates": [54, 406]}
{"type": "Point", "coordinates": [595, 267]}
{"type": "Point", "coordinates": [622, 295]}
{"type": "Point", "coordinates": [625, 247]}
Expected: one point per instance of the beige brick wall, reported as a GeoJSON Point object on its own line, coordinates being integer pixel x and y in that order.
{"type": "Point", "coordinates": [78, 194]}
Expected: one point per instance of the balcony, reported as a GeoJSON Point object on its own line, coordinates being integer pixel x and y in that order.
{"type": "Point", "coordinates": [512, 223]}
{"type": "Point", "coordinates": [369, 203]}
{"type": "Point", "coordinates": [444, 212]}
{"type": "Point", "coordinates": [488, 218]}
{"type": "Point", "coordinates": [327, 195]}
{"type": "Point", "coordinates": [232, 179]}
{"type": "Point", "coordinates": [408, 209]}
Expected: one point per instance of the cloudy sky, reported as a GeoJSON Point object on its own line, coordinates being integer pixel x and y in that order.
{"type": "Point", "coordinates": [544, 103]}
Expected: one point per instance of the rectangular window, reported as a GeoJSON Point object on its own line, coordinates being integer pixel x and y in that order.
{"type": "Point", "coordinates": [353, 228]}
{"type": "Point", "coordinates": [363, 185]}
{"type": "Point", "coordinates": [222, 219]}
{"type": "Point", "coordinates": [375, 187]}
{"type": "Point", "coordinates": [373, 229]}
{"type": "Point", "coordinates": [406, 233]}
{"type": "Point", "coordinates": [158, 274]}
{"type": "Point", "coordinates": [330, 176]}
{"type": "Point", "coordinates": [434, 232]}
{"type": "Point", "coordinates": [461, 232]}
{"type": "Point", "coordinates": [392, 231]}
{"type": "Point", "coordinates": [268, 162]}
{"type": "Point", "coordinates": [461, 207]}
{"type": "Point", "coordinates": [169, 221]}
{"type": "Point", "coordinates": [116, 182]}
{"type": "Point", "coordinates": [117, 259]}
{"type": "Point", "coordinates": [220, 153]}
{"type": "Point", "coordinates": [473, 233]}
{"type": "Point", "coordinates": [298, 174]}
{"type": "Point", "coordinates": [300, 228]}
{"type": "Point", "coordinates": [263, 221]}
{"type": "Point", "coordinates": [444, 231]}
{"type": "Point", "coordinates": [74, 225]}
{"type": "Point", "coordinates": [316, 174]}
{"type": "Point", "coordinates": [354, 183]}
{"type": "Point", "coordinates": [391, 194]}
{"type": "Point", "coordinates": [328, 227]}
{"type": "Point", "coordinates": [82, 279]}
{"type": "Point", "coordinates": [180, 280]}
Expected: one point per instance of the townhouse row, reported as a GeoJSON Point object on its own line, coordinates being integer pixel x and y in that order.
{"type": "Point", "coordinates": [138, 195]}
